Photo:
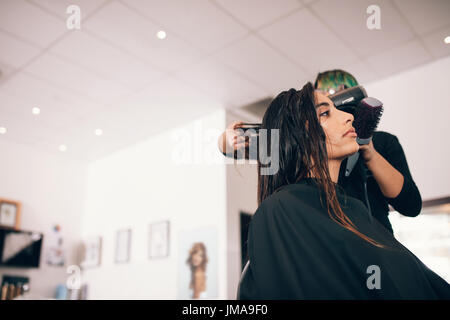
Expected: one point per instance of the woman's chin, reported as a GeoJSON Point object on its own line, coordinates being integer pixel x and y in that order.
{"type": "Point", "coordinates": [356, 147]}
{"type": "Point", "coordinates": [353, 149]}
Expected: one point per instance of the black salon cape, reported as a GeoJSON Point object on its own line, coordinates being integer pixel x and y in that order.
{"type": "Point", "coordinates": [297, 252]}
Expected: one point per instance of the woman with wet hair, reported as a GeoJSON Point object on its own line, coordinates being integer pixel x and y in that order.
{"type": "Point", "coordinates": [308, 239]}
{"type": "Point", "coordinates": [382, 164]}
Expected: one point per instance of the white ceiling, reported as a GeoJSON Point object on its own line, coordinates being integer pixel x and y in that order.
{"type": "Point", "coordinates": [115, 74]}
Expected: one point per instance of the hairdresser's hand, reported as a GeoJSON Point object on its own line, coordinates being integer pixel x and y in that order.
{"type": "Point", "coordinates": [230, 140]}
{"type": "Point", "coordinates": [367, 151]}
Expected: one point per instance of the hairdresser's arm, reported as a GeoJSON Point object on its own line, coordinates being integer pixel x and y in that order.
{"type": "Point", "coordinates": [388, 178]}
{"type": "Point", "coordinates": [390, 169]}
{"type": "Point", "coordinates": [229, 142]}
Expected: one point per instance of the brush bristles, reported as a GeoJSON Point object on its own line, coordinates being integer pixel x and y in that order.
{"type": "Point", "coordinates": [366, 120]}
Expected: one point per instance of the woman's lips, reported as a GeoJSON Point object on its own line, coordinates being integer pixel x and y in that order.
{"type": "Point", "coordinates": [351, 133]}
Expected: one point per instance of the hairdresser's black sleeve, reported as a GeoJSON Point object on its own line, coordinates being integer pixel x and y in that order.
{"type": "Point", "coordinates": [409, 201]}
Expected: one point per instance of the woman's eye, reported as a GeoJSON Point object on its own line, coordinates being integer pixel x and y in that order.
{"type": "Point", "coordinates": [326, 112]}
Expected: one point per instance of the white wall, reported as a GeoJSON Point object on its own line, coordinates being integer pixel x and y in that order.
{"type": "Point", "coordinates": [417, 111]}
{"type": "Point", "coordinates": [51, 190]}
{"type": "Point", "coordinates": [141, 184]}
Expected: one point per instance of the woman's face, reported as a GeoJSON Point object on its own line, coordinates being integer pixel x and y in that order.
{"type": "Point", "coordinates": [336, 123]}
{"type": "Point", "coordinates": [197, 258]}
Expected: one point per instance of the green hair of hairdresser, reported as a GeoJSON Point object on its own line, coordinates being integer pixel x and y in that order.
{"type": "Point", "coordinates": [334, 79]}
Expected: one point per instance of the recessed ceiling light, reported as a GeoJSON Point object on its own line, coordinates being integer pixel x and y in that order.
{"type": "Point", "coordinates": [62, 148]}
{"type": "Point", "coordinates": [331, 91]}
{"type": "Point", "coordinates": [2, 130]}
{"type": "Point", "coordinates": [447, 40]}
{"type": "Point", "coordinates": [161, 34]}
{"type": "Point", "coordinates": [36, 110]}
{"type": "Point", "coordinates": [98, 132]}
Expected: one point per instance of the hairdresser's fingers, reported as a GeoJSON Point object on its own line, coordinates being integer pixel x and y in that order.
{"type": "Point", "coordinates": [237, 124]}
{"type": "Point", "coordinates": [232, 140]}
{"type": "Point", "coordinates": [237, 131]}
{"type": "Point", "coordinates": [234, 124]}
{"type": "Point", "coordinates": [232, 133]}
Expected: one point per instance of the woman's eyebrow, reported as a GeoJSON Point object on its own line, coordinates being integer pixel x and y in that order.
{"type": "Point", "coordinates": [322, 104]}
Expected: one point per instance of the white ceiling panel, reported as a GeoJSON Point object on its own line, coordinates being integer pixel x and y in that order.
{"type": "Point", "coordinates": [435, 42]}
{"type": "Point", "coordinates": [261, 63]}
{"type": "Point", "coordinates": [222, 83]}
{"type": "Point", "coordinates": [256, 13]}
{"type": "Point", "coordinates": [61, 72]}
{"type": "Point", "coordinates": [26, 129]}
{"type": "Point", "coordinates": [150, 111]}
{"type": "Point", "coordinates": [81, 141]}
{"type": "Point", "coordinates": [53, 115]}
{"type": "Point", "coordinates": [362, 71]}
{"type": "Point", "coordinates": [167, 99]}
{"type": "Point", "coordinates": [293, 35]}
{"type": "Point", "coordinates": [14, 52]}
{"type": "Point", "coordinates": [399, 58]}
{"type": "Point", "coordinates": [199, 21]}
{"type": "Point", "coordinates": [348, 19]}
{"type": "Point", "coordinates": [30, 22]}
{"type": "Point", "coordinates": [425, 16]}
{"type": "Point", "coordinates": [105, 59]}
{"type": "Point", "coordinates": [6, 71]}
{"type": "Point", "coordinates": [169, 93]}
{"type": "Point", "coordinates": [44, 95]}
{"type": "Point", "coordinates": [127, 29]}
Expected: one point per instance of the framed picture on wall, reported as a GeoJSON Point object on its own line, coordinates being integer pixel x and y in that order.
{"type": "Point", "coordinates": [9, 214]}
{"type": "Point", "coordinates": [92, 252]}
{"type": "Point", "coordinates": [159, 239]}
{"type": "Point", "coordinates": [123, 246]}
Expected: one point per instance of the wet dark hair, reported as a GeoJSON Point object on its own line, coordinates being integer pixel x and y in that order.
{"type": "Point", "coordinates": [302, 151]}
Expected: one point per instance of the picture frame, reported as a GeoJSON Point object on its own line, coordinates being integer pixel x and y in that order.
{"type": "Point", "coordinates": [159, 239]}
{"type": "Point", "coordinates": [10, 214]}
{"type": "Point", "coordinates": [92, 252]}
{"type": "Point", "coordinates": [123, 246]}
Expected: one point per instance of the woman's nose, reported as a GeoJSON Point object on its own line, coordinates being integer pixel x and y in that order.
{"type": "Point", "coordinates": [352, 118]}
{"type": "Point", "coordinates": [348, 116]}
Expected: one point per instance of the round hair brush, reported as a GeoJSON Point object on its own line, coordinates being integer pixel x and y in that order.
{"type": "Point", "coordinates": [367, 117]}
{"type": "Point", "coordinates": [366, 121]}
